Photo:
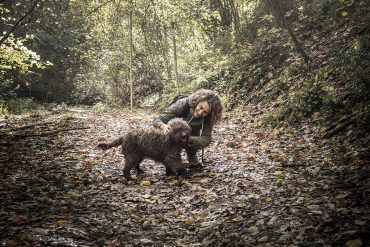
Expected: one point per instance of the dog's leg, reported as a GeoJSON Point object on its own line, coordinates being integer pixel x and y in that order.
{"type": "Point", "coordinates": [131, 161]}
{"type": "Point", "coordinates": [174, 165]}
{"type": "Point", "coordinates": [137, 167]}
{"type": "Point", "coordinates": [169, 172]}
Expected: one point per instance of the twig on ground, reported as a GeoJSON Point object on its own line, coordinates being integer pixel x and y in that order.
{"type": "Point", "coordinates": [26, 126]}
{"type": "Point", "coordinates": [51, 132]}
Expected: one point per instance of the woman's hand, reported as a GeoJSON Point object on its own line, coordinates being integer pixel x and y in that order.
{"type": "Point", "coordinates": [165, 128]}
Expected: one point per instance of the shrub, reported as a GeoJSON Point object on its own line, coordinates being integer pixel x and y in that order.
{"type": "Point", "coordinates": [20, 105]}
{"type": "Point", "coordinates": [310, 98]}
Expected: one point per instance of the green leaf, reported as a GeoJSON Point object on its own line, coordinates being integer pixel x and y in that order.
{"type": "Point", "coordinates": [253, 229]}
{"type": "Point", "coordinates": [354, 243]}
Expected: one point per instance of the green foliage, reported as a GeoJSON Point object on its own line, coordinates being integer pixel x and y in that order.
{"type": "Point", "coordinates": [303, 103]}
{"type": "Point", "coordinates": [61, 37]}
{"type": "Point", "coordinates": [100, 107]}
{"type": "Point", "coordinates": [16, 58]}
{"type": "Point", "coordinates": [352, 67]}
{"type": "Point", "coordinates": [236, 48]}
{"type": "Point", "coordinates": [309, 98]}
{"type": "Point", "coordinates": [3, 108]}
{"type": "Point", "coordinates": [90, 48]}
{"type": "Point", "coordinates": [19, 106]}
{"type": "Point", "coordinates": [29, 105]}
{"type": "Point", "coordinates": [272, 118]}
{"type": "Point", "coordinates": [14, 55]}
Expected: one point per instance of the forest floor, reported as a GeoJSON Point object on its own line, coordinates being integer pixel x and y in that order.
{"type": "Point", "coordinates": [259, 187]}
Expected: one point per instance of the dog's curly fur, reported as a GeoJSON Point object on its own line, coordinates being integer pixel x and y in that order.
{"type": "Point", "coordinates": [152, 143]}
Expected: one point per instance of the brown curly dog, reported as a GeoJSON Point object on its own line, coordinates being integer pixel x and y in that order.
{"type": "Point", "coordinates": [152, 143]}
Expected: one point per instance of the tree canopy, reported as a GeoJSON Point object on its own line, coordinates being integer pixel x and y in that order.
{"type": "Point", "coordinates": [78, 51]}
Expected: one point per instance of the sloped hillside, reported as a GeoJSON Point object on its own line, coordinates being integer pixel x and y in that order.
{"type": "Point", "coordinates": [332, 90]}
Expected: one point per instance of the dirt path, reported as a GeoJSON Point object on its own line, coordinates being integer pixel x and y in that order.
{"type": "Point", "coordinates": [259, 187]}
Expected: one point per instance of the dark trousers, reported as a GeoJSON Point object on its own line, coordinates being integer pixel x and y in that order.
{"type": "Point", "coordinates": [195, 131]}
{"type": "Point", "coordinates": [191, 151]}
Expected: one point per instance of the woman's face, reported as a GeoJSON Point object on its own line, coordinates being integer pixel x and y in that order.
{"type": "Point", "coordinates": [202, 109]}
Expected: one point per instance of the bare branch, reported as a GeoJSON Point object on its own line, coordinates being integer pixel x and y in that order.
{"type": "Point", "coordinates": [18, 22]}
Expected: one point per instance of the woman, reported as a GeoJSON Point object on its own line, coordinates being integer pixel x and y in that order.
{"type": "Point", "coordinates": [202, 110]}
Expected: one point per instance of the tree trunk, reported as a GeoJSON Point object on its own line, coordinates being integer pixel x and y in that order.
{"type": "Point", "coordinates": [175, 57]}
{"type": "Point", "coordinates": [163, 44]}
{"type": "Point", "coordinates": [280, 18]}
{"type": "Point", "coordinates": [235, 15]}
{"type": "Point", "coordinates": [131, 81]}
{"type": "Point", "coordinates": [298, 46]}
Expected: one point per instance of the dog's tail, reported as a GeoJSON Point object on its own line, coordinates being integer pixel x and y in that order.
{"type": "Point", "coordinates": [115, 143]}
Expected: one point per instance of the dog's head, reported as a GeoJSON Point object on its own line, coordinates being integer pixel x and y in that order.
{"type": "Point", "coordinates": [180, 131]}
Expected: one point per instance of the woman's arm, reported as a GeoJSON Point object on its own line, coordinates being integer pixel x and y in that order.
{"type": "Point", "coordinates": [199, 142]}
{"type": "Point", "coordinates": [171, 112]}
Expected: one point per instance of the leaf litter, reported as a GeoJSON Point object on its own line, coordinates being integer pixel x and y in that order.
{"type": "Point", "coordinates": [259, 187]}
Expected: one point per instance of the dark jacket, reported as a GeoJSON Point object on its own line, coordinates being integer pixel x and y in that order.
{"type": "Point", "coordinates": [176, 110]}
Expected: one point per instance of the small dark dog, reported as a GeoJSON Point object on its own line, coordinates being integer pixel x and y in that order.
{"type": "Point", "coordinates": [152, 143]}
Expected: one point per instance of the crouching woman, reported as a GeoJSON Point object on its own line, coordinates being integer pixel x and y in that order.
{"type": "Point", "coordinates": [201, 110]}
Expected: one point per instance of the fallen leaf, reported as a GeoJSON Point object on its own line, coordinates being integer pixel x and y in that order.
{"type": "Point", "coordinates": [251, 157]}
{"type": "Point", "coordinates": [89, 164]}
{"type": "Point", "coordinates": [190, 221]}
{"type": "Point", "coordinates": [145, 183]}
{"type": "Point", "coordinates": [268, 199]}
{"type": "Point", "coordinates": [343, 195]}
{"type": "Point", "coordinates": [253, 229]}
{"type": "Point", "coordinates": [360, 222]}
{"type": "Point", "coordinates": [62, 223]}
{"type": "Point", "coordinates": [147, 225]}
{"type": "Point", "coordinates": [19, 219]}
{"type": "Point", "coordinates": [280, 181]}
{"type": "Point", "coordinates": [146, 241]}
{"type": "Point", "coordinates": [272, 220]}
{"type": "Point", "coordinates": [277, 132]}
{"type": "Point", "coordinates": [279, 173]}
{"type": "Point", "coordinates": [203, 214]}
{"type": "Point", "coordinates": [354, 243]}
{"type": "Point", "coordinates": [348, 2]}
{"type": "Point", "coordinates": [281, 159]}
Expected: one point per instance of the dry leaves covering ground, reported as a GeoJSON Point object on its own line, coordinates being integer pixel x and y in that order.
{"type": "Point", "coordinates": [260, 187]}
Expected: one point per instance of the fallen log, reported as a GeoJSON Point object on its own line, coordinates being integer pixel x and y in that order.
{"type": "Point", "coordinates": [50, 132]}
{"type": "Point", "coordinates": [338, 128]}
{"type": "Point", "coordinates": [341, 120]}
{"type": "Point", "coordinates": [26, 126]}
{"type": "Point", "coordinates": [340, 125]}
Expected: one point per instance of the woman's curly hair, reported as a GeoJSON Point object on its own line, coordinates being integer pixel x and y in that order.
{"type": "Point", "coordinates": [213, 100]}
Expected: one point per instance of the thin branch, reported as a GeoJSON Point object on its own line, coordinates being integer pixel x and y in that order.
{"type": "Point", "coordinates": [18, 22]}
{"type": "Point", "coordinates": [25, 127]}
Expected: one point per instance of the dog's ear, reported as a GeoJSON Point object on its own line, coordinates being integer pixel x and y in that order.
{"type": "Point", "coordinates": [171, 135]}
{"type": "Point", "coordinates": [190, 141]}
{"type": "Point", "coordinates": [175, 134]}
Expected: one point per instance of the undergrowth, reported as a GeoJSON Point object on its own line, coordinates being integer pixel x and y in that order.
{"type": "Point", "coordinates": [312, 96]}
{"type": "Point", "coordinates": [18, 106]}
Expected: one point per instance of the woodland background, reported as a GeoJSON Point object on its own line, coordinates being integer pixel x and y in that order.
{"type": "Point", "coordinates": [302, 56]}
